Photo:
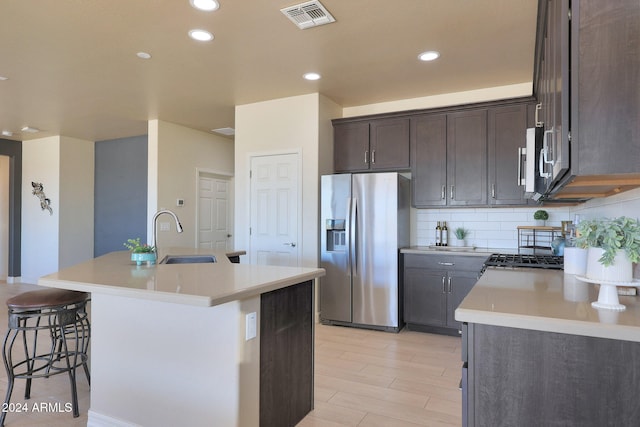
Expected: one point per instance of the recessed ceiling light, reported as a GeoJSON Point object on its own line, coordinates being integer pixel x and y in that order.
{"type": "Point", "coordinates": [429, 56]}
{"type": "Point", "coordinates": [143, 55]}
{"type": "Point", "coordinates": [201, 35]}
{"type": "Point", "coordinates": [7, 133]}
{"type": "Point", "coordinates": [29, 129]}
{"type": "Point", "coordinates": [312, 76]}
{"type": "Point", "coordinates": [206, 5]}
{"type": "Point", "coordinates": [4, 78]}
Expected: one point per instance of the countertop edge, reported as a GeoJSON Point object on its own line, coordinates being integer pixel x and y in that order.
{"type": "Point", "coordinates": [195, 300]}
{"type": "Point", "coordinates": [555, 325]}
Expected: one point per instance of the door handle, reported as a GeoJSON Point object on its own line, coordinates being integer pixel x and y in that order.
{"type": "Point", "coordinates": [292, 244]}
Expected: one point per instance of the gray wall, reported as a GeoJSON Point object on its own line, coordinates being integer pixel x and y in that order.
{"type": "Point", "coordinates": [120, 193]}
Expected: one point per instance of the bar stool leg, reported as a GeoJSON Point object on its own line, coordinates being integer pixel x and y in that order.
{"type": "Point", "coordinates": [71, 366]}
{"type": "Point", "coordinates": [7, 345]}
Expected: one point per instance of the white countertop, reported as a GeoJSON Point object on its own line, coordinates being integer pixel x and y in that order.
{"type": "Point", "coordinates": [206, 284]}
{"type": "Point", "coordinates": [547, 300]}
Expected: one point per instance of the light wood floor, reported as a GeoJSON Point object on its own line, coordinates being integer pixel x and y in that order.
{"type": "Point", "coordinates": [362, 378]}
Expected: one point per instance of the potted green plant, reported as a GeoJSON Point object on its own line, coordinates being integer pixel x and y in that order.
{"type": "Point", "coordinates": [141, 252]}
{"type": "Point", "coordinates": [613, 245]}
{"type": "Point", "coordinates": [541, 216]}
{"type": "Point", "coordinates": [461, 234]}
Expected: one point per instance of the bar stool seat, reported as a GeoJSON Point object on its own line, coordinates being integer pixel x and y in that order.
{"type": "Point", "coordinates": [59, 314]}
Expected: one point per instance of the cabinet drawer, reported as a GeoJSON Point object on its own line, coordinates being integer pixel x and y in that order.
{"type": "Point", "coordinates": [445, 262]}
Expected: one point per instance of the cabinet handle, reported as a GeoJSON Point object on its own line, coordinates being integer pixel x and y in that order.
{"type": "Point", "coordinates": [493, 191]}
{"type": "Point", "coordinates": [522, 152]}
{"type": "Point", "coordinates": [449, 284]}
{"type": "Point", "coordinates": [443, 193]}
{"type": "Point", "coordinates": [451, 193]}
{"type": "Point", "coordinates": [446, 263]}
{"type": "Point", "coordinates": [444, 291]}
{"type": "Point", "coordinates": [366, 156]}
{"type": "Point", "coordinates": [539, 124]}
{"type": "Point", "coordinates": [373, 156]}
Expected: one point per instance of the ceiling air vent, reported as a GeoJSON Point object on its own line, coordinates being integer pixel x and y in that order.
{"type": "Point", "coordinates": [308, 14]}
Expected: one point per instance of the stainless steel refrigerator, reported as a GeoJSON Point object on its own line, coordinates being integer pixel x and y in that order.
{"type": "Point", "coordinates": [364, 222]}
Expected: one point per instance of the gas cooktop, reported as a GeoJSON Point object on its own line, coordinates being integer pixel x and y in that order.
{"type": "Point", "coordinates": [520, 260]}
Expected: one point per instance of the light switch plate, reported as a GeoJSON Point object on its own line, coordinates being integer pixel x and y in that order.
{"type": "Point", "coordinates": [251, 327]}
{"type": "Point", "coordinates": [164, 226]}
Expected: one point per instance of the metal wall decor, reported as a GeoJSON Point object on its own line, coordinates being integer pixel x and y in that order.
{"type": "Point", "coordinates": [38, 191]}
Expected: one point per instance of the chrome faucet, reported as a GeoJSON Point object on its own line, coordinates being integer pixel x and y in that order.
{"type": "Point", "coordinates": [155, 230]}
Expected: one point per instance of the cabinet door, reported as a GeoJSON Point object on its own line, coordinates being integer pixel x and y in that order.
{"type": "Point", "coordinates": [428, 160]}
{"type": "Point", "coordinates": [351, 146]}
{"type": "Point", "coordinates": [506, 135]}
{"type": "Point", "coordinates": [459, 284]}
{"type": "Point", "coordinates": [467, 158]}
{"type": "Point", "coordinates": [425, 296]}
{"type": "Point", "coordinates": [389, 144]}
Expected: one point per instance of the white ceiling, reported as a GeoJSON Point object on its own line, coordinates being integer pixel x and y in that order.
{"type": "Point", "coordinates": [72, 67]}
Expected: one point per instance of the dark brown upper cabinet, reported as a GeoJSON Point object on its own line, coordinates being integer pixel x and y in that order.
{"type": "Point", "coordinates": [506, 137]}
{"type": "Point", "coordinates": [379, 144]}
{"type": "Point", "coordinates": [586, 76]}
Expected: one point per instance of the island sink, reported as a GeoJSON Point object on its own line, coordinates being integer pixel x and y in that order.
{"type": "Point", "coordinates": [188, 259]}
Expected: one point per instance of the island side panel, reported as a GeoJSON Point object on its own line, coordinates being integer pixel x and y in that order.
{"type": "Point", "coordinates": [532, 378]}
{"type": "Point", "coordinates": [164, 364]}
{"type": "Point", "coordinates": [286, 355]}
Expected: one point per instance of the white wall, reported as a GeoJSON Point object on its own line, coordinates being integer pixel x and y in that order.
{"type": "Point", "coordinates": [64, 166]}
{"type": "Point", "coordinates": [175, 154]}
{"type": "Point", "coordinates": [296, 124]}
{"type": "Point", "coordinates": [443, 100]}
{"type": "Point", "coordinates": [4, 217]}
{"type": "Point", "coordinates": [40, 234]}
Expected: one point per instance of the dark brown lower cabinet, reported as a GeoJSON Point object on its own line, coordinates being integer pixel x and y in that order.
{"type": "Point", "coordinates": [521, 377]}
{"type": "Point", "coordinates": [286, 355]}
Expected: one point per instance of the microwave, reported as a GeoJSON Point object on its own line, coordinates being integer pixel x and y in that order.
{"type": "Point", "coordinates": [534, 176]}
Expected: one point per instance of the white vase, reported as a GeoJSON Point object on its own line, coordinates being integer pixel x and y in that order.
{"type": "Point", "coordinates": [460, 242]}
{"type": "Point", "coordinates": [620, 271]}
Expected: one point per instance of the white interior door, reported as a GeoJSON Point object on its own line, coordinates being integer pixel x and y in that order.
{"type": "Point", "coordinates": [275, 210]}
{"type": "Point", "coordinates": [213, 212]}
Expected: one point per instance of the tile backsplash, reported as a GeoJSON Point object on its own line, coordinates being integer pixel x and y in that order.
{"type": "Point", "coordinates": [497, 227]}
{"type": "Point", "coordinates": [488, 227]}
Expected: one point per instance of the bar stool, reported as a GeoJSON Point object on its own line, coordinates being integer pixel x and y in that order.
{"type": "Point", "coordinates": [62, 317]}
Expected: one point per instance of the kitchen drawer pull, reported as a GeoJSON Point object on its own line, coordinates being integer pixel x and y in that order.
{"type": "Point", "coordinates": [446, 263]}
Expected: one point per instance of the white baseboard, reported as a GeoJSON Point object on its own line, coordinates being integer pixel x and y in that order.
{"type": "Point", "coordinates": [16, 279]}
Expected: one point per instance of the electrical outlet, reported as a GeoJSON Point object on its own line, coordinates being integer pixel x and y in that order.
{"type": "Point", "coordinates": [251, 326]}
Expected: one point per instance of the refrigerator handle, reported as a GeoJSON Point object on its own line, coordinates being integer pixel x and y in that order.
{"type": "Point", "coordinates": [347, 232]}
{"type": "Point", "coordinates": [353, 237]}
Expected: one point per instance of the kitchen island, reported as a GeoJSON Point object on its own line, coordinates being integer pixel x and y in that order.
{"type": "Point", "coordinates": [196, 344]}
{"type": "Point", "coordinates": [536, 353]}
